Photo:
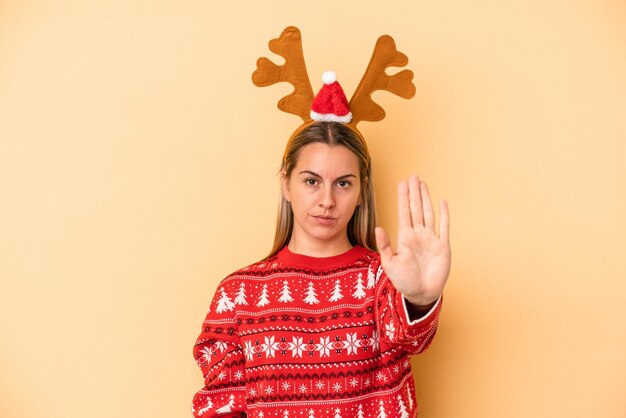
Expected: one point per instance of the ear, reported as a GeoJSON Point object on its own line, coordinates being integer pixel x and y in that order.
{"type": "Point", "coordinates": [284, 185]}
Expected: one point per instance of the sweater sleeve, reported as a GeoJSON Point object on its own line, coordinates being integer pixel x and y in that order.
{"type": "Point", "coordinates": [219, 355]}
{"type": "Point", "coordinates": [392, 319]}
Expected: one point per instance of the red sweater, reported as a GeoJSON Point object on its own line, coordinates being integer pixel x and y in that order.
{"type": "Point", "coordinates": [299, 336]}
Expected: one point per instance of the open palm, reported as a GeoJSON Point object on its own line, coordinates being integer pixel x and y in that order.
{"type": "Point", "coordinates": [420, 266]}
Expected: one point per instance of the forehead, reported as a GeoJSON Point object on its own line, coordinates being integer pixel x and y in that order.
{"type": "Point", "coordinates": [327, 159]}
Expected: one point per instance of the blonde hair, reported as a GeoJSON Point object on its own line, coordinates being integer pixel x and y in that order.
{"type": "Point", "coordinates": [361, 225]}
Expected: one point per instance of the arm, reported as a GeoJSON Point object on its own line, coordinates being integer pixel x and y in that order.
{"type": "Point", "coordinates": [413, 277]}
{"type": "Point", "coordinates": [400, 323]}
{"type": "Point", "coordinates": [219, 355]}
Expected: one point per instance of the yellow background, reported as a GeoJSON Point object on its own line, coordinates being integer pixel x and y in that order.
{"type": "Point", "coordinates": [138, 167]}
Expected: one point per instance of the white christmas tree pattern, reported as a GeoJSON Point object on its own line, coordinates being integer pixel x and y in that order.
{"type": "Point", "coordinates": [311, 413]}
{"type": "Point", "coordinates": [358, 290]}
{"type": "Point", "coordinates": [285, 295]}
{"type": "Point", "coordinates": [241, 295]}
{"type": "Point", "coordinates": [379, 273]}
{"type": "Point", "coordinates": [263, 300]}
{"type": "Point", "coordinates": [371, 279]}
{"type": "Point", "coordinates": [359, 413]}
{"type": "Point", "coordinates": [311, 295]}
{"type": "Point", "coordinates": [228, 407]}
{"type": "Point", "coordinates": [409, 397]}
{"type": "Point", "coordinates": [381, 412]}
{"type": "Point", "coordinates": [224, 304]}
{"type": "Point", "coordinates": [336, 293]}
{"type": "Point", "coordinates": [337, 413]}
{"type": "Point", "coordinates": [403, 411]}
{"type": "Point", "coordinates": [208, 406]}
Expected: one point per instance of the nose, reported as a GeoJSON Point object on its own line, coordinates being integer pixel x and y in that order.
{"type": "Point", "coordinates": [327, 199]}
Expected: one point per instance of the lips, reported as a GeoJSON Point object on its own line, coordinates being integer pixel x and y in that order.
{"type": "Point", "coordinates": [325, 220]}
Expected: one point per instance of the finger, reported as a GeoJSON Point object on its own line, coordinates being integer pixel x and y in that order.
{"type": "Point", "coordinates": [429, 214]}
{"type": "Point", "coordinates": [404, 213]}
{"type": "Point", "coordinates": [444, 221]}
{"type": "Point", "coordinates": [383, 244]}
{"type": "Point", "coordinates": [415, 200]}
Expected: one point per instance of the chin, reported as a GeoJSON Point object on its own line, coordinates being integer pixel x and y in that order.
{"type": "Point", "coordinates": [325, 235]}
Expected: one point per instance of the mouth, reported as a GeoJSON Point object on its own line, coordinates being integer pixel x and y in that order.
{"type": "Point", "coordinates": [325, 220]}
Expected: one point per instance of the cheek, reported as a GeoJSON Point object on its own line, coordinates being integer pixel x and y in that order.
{"type": "Point", "coordinates": [300, 200]}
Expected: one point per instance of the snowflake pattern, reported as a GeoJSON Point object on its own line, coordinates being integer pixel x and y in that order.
{"type": "Point", "coordinates": [297, 347]}
{"type": "Point", "coordinates": [324, 346]}
{"type": "Point", "coordinates": [206, 354]}
{"type": "Point", "coordinates": [248, 350]}
{"type": "Point", "coordinates": [221, 346]}
{"type": "Point", "coordinates": [390, 330]}
{"type": "Point", "coordinates": [327, 346]}
{"type": "Point", "coordinates": [270, 346]}
{"type": "Point", "coordinates": [352, 343]}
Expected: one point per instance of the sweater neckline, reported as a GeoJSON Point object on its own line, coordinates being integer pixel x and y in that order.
{"type": "Point", "coordinates": [287, 257]}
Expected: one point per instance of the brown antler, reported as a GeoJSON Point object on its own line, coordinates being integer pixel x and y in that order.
{"type": "Point", "coordinates": [385, 55]}
{"type": "Point", "coordinates": [289, 46]}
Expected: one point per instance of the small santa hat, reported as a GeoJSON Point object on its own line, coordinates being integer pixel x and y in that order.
{"type": "Point", "coordinates": [330, 104]}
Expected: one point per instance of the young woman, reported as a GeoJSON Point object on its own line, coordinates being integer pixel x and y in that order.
{"type": "Point", "coordinates": [324, 326]}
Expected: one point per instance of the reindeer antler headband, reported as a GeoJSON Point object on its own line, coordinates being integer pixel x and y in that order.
{"type": "Point", "coordinates": [330, 103]}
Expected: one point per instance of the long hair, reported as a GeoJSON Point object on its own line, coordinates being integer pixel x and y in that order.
{"type": "Point", "coordinates": [361, 225]}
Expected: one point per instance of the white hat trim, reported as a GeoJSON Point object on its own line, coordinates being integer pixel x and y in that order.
{"type": "Point", "coordinates": [330, 117]}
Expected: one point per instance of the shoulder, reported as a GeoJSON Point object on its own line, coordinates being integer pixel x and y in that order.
{"type": "Point", "coordinates": [259, 268]}
{"type": "Point", "coordinates": [372, 256]}
{"type": "Point", "coordinates": [371, 253]}
{"type": "Point", "coordinates": [235, 287]}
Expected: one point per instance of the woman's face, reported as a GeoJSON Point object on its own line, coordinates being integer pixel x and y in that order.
{"type": "Point", "coordinates": [324, 189]}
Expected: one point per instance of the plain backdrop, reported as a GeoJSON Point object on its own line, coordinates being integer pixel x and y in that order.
{"type": "Point", "coordinates": [138, 167]}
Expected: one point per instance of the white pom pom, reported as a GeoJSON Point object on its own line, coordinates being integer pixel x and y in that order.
{"type": "Point", "coordinates": [329, 77]}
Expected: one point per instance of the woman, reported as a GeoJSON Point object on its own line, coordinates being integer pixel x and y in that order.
{"type": "Point", "coordinates": [324, 326]}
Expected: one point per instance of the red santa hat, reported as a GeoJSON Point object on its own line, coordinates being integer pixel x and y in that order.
{"type": "Point", "coordinates": [330, 104]}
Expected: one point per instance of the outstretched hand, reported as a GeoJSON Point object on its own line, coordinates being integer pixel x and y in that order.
{"type": "Point", "coordinates": [420, 266]}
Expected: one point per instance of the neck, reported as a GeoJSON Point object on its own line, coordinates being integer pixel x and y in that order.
{"type": "Point", "coordinates": [315, 248]}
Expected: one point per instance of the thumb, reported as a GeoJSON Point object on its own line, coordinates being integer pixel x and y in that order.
{"type": "Point", "coordinates": [383, 244]}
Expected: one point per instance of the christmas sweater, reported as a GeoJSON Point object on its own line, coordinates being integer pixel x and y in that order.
{"type": "Point", "coordinates": [300, 336]}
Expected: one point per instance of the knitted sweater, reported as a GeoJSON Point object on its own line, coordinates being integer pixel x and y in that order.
{"type": "Point", "coordinates": [300, 336]}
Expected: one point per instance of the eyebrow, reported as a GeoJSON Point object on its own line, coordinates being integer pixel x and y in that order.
{"type": "Point", "coordinates": [318, 176]}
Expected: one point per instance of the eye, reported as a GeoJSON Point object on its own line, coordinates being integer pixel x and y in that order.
{"type": "Point", "coordinates": [311, 181]}
{"type": "Point", "coordinates": [344, 184]}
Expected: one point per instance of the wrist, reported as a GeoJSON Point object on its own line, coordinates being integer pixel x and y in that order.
{"type": "Point", "coordinates": [416, 312]}
{"type": "Point", "coordinates": [420, 303]}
